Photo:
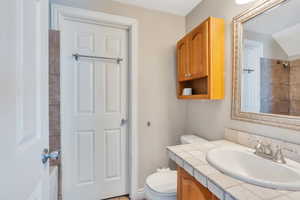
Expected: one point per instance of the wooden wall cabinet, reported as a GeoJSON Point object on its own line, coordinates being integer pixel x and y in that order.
{"type": "Point", "coordinates": [200, 61]}
{"type": "Point", "coordinates": [182, 59]}
{"type": "Point", "coordinates": [188, 188]}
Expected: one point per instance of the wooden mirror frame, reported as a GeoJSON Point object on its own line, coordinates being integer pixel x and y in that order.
{"type": "Point", "coordinates": [283, 121]}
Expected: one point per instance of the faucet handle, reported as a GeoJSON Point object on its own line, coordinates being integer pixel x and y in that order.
{"type": "Point", "coordinates": [278, 156]}
{"type": "Point", "coordinates": [259, 147]}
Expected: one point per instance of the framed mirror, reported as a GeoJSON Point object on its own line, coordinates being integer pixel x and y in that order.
{"type": "Point", "coordinates": [266, 64]}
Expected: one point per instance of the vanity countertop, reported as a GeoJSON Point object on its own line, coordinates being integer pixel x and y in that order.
{"type": "Point", "coordinates": [192, 158]}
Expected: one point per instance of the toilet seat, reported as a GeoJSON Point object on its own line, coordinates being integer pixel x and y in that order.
{"type": "Point", "coordinates": [162, 185]}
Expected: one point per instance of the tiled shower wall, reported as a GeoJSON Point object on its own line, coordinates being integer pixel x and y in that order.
{"type": "Point", "coordinates": [274, 87]}
{"type": "Point", "coordinates": [54, 98]}
{"type": "Point", "coordinates": [280, 87]}
{"type": "Point", "coordinates": [54, 91]}
{"type": "Point", "coordinates": [295, 87]}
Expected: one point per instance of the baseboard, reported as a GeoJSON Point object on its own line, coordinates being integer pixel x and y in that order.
{"type": "Point", "coordinates": [139, 195]}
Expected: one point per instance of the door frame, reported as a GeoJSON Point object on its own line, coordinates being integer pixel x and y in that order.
{"type": "Point", "coordinates": [60, 13]}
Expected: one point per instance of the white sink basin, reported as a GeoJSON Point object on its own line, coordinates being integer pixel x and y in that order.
{"type": "Point", "coordinates": [243, 164]}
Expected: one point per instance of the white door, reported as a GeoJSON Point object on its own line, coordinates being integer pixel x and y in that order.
{"type": "Point", "coordinates": [253, 52]}
{"type": "Point", "coordinates": [23, 99]}
{"type": "Point", "coordinates": [94, 102]}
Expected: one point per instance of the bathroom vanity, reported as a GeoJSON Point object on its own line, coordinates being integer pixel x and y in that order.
{"type": "Point", "coordinates": [198, 179]}
{"type": "Point", "coordinates": [190, 188]}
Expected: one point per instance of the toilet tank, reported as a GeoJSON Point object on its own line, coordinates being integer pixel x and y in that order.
{"type": "Point", "coordinates": [190, 139]}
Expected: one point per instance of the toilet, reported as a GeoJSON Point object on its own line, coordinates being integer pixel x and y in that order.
{"type": "Point", "coordinates": [162, 185]}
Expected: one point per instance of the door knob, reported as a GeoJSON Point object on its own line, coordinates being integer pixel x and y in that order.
{"type": "Point", "coordinates": [46, 155]}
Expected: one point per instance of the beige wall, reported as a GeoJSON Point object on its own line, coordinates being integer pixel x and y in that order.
{"type": "Point", "coordinates": [209, 118]}
{"type": "Point", "coordinates": [158, 33]}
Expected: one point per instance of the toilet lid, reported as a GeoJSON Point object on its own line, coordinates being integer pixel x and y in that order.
{"type": "Point", "coordinates": [163, 182]}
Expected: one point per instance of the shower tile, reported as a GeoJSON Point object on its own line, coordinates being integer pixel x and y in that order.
{"type": "Point", "coordinates": [54, 52]}
{"type": "Point", "coordinates": [54, 118]}
{"type": "Point", "coordinates": [54, 90]}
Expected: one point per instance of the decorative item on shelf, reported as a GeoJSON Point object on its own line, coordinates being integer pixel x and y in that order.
{"type": "Point", "coordinates": [187, 92]}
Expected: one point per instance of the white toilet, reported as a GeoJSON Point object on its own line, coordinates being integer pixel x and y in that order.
{"type": "Point", "coordinates": [162, 185]}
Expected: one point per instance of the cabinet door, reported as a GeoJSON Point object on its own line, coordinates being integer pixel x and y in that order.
{"type": "Point", "coordinates": [198, 47]}
{"type": "Point", "coordinates": [190, 189]}
{"type": "Point", "coordinates": [182, 59]}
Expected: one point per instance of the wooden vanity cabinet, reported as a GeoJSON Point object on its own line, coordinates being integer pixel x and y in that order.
{"type": "Point", "coordinates": [188, 188]}
{"type": "Point", "coordinates": [200, 61]}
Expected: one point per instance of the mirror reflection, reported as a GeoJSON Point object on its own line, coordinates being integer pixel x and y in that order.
{"type": "Point", "coordinates": [271, 61]}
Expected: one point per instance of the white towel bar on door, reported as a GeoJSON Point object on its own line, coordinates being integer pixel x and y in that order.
{"type": "Point", "coordinates": [77, 56]}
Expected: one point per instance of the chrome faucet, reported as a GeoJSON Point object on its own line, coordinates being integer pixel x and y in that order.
{"type": "Point", "coordinates": [278, 156]}
{"type": "Point", "coordinates": [265, 151]}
